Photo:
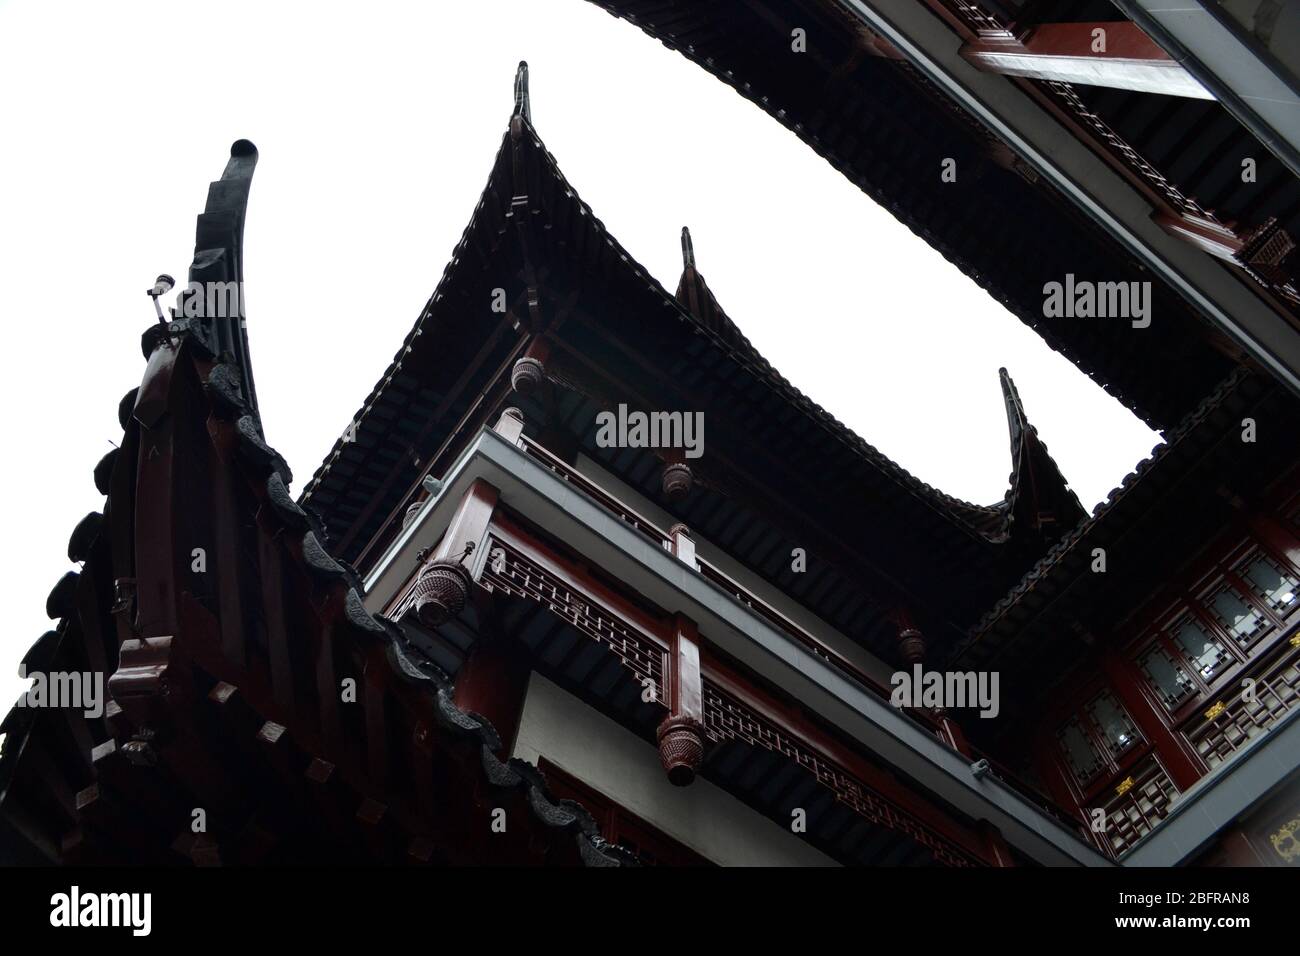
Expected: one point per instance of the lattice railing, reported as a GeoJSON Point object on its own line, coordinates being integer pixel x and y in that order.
{"type": "Point", "coordinates": [757, 605]}
{"type": "Point", "coordinates": [979, 20]}
{"type": "Point", "coordinates": [1131, 157]}
{"type": "Point", "coordinates": [1225, 727]}
{"type": "Point", "coordinates": [516, 575]}
{"type": "Point", "coordinates": [1137, 804]}
{"type": "Point", "coordinates": [725, 717]}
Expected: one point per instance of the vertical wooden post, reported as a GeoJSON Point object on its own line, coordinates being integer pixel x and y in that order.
{"type": "Point", "coordinates": [470, 522]}
{"type": "Point", "coordinates": [999, 854]}
{"type": "Point", "coordinates": [681, 735]}
{"type": "Point", "coordinates": [687, 691]}
{"type": "Point", "coordinates": [493, 683]}
{"type": "Point", "coordinates": [683, 545]}
{"type": "Point", "coordinates": [510, 425]}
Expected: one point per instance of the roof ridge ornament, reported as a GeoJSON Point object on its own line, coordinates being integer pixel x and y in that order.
{"type": "Point", "coordinates": [1038, 489]}
{"type": "Point", "coordinates": [688, 249]}
{"type": "Point", "coordinates": [1017, 422]}
{"type": "Point", "coordinates": [522, 106]}
{"type": "Point", "coordinates": [213, 299]}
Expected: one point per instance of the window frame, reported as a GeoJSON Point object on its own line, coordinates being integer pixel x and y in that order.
{"type": "Point", "coordinates": [1113, 766]}
{"type": "Point", "coordinates": [1194, 602]}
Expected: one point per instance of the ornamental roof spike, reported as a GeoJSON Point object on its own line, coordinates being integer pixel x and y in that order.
{"type": "Point", "coordinates": [219, 259]}
{"type": "Point", "coordinates": [1040, 500]}
{"type": "Point", "coordinates": [688, 250]}
{"type": "Point", "coordinates": [1017, 423]}
{"type": "Point", "coordinates": [522, 106]}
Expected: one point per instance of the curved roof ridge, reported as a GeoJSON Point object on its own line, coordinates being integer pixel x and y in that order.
{"type": "Point", "coordinates": [1068, 542]}
{"type": "Point", "coordinates": [983, 522]}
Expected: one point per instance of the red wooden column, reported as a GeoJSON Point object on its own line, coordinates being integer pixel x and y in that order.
{"type": "Point", "coordinates": [1116, 55]}
{"type": "Point", "coordinates": [494, 678]}
{"type": "Point", "coordinates": [681, 735]}
{"type": "Point", "coordinates": [999, 854]}
{"type": "Point", "coordinates": [470, 522]}
{"type": "Point", "coordinates": [493, 682]}
{"type": "Point", "coordinates": [442, 587]}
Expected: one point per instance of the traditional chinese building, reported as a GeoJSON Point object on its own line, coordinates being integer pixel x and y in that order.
{"type": "Point", "coordinates": [485, 633]}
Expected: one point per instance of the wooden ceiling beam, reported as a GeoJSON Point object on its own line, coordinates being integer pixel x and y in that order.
{"type": "Point", "coordinates": [1114, 55]}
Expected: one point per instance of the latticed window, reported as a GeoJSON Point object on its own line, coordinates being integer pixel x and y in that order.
{"type": "Point", "coordinates": [1095, 738]}
{"type": "Point", "coordinates": [1169, 679]}
{"type": "Point", "coordinates": [1201, 648]}
{"type": "Point", "coordinates": [1239, 618]}
{"type": "Point", "coordinates": [1079, 751]}
{"type": "Point", "coordinates": [1116, 728]}
{"type": "Point", "coordinates": [1269, 581]}
{"type": "Point", "coordinates": [1236, 615]}
{"type": "Point", "coordinates": [1227, 725]}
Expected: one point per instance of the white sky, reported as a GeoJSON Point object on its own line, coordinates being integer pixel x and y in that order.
{"type": "Point", "coordinates": [377, 123]}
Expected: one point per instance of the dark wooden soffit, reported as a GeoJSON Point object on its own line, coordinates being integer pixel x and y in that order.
{"type": "Point", "coordinates": [888, 131]}
{"type": "Point", "coordinates": [810, 484]}
{"type": "Point", "coordinates": [1184, 154]}
{"type": "Point", "coordinates": [562, 272]}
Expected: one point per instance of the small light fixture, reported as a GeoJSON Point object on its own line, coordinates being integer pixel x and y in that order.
{"type": "Point", "coordinates": [161, 286]}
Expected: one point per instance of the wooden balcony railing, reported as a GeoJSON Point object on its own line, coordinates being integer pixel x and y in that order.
{"type": "Point", "coordinates": [707, 570]}
{"type": "Point", "coordinates": [1138, 804]}
{"type": "Point", "coordinates": [744, 596]}
{"type": "Point", "coordinates": [1269, 693]}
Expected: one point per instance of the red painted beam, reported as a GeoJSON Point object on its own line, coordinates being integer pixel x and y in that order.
{"type": "Point", "coordinates": [1116, 55]}
{"type": "Point", "coordinates": [1212, 237]}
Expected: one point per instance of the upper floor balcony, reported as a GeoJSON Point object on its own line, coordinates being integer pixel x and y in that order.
{"type": "Point", "coordinates": [560, 539]}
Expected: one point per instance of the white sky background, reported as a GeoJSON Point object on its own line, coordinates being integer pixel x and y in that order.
{"type": "Point", "coordinates": [377, 124]}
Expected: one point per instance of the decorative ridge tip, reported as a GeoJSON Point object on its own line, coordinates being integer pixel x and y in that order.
{"type": "Point", "coordinates": [1017, 421]}
{"type": "Point", "coordinates": [522, 106]}
{"type": "Point", "coordinates": [242, 162]}
{"type": "Point", "coordinates": [1010, 394]}
{"type": "Point", "coordinates": [688, 249]}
